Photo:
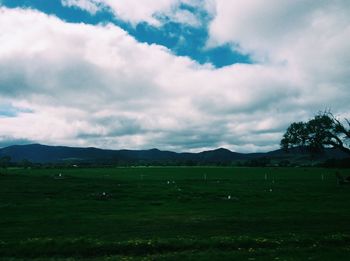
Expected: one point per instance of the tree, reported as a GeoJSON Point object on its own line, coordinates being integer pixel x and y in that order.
{"type": "Point", "coordinates": [324, 130]}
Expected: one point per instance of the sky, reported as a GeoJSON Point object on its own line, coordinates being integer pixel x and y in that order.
{"type": "Point", "coordinates": [180, 75]}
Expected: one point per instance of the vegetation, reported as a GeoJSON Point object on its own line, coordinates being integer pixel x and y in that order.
{"type": "Point", "coordinates": [322, 131]}
{"type": "Point", "coordinates": [42, 156]}
{"type": "Point", "coordinates": [197, 213]}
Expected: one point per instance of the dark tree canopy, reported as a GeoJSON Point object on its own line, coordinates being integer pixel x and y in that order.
{"type": "Point", "coordinates": [324, 130]}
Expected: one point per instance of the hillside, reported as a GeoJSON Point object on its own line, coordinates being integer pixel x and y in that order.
{"type": "Point", "coordinates": [38, 153]}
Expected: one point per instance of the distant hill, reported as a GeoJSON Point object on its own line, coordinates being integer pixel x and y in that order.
{"type": "Point", "coordinates": [38, 153]}
{"type": "Point", "coordinates": [45, 154]}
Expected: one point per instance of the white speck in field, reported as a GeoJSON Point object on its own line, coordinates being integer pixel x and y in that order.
{"type": "Point", "coordinates": [229, 197]}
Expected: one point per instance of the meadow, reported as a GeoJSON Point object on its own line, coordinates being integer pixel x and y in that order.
{"type": "Point", "coordinates": [182, 213]}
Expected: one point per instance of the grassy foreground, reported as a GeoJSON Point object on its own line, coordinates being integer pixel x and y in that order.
{"type": "Point", "coordinates": [174, 213]}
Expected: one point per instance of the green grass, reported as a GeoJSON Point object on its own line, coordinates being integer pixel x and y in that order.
{"type": "Point", "coordinates": [295, 214]}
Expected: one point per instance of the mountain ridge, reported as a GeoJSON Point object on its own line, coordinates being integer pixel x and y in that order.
{"type": "Point", "coordinates": [39, 153]}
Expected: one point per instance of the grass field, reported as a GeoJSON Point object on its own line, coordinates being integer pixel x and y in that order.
{"type": "Point", "coordinates": [174, 214]}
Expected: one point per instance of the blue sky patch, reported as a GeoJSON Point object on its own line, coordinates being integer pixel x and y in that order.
{"type": "Point", "coordinates": [9, 111]}
{"type": "Point", "coordinates": [187, 41]}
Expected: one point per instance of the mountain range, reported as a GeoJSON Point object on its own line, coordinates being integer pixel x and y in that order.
{"type": "Point", "coordinates": [38, 153]}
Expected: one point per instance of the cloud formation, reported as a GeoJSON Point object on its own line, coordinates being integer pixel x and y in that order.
{"type": "Point", "coordinates": [85, 85]}
{"type": "Point", "coordinates": [309, 37]}
{"type": "Point", "coordinates": [149, 11]}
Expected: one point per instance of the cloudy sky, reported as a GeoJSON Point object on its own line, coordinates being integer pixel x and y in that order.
{"type": "Point", "coordinates": [182, 75]}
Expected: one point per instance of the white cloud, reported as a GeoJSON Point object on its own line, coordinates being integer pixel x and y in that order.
{"type": "Point", "coordinates": [149, 11]}
{"type": "Point", "coordinates": [97, 86]}
{"type": "Point", "coordinates": [91, 6]}
{"type": "Point", "coordinates": [77, 77]}
{"type": "Point", "coordinates": [309, 37]}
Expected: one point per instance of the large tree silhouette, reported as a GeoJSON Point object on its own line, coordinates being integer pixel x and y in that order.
{"type": "Point", "coordinates": [324, 130]}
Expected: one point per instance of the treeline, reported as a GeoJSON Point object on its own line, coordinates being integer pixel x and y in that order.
{"type": "Point", "coordinates": [5, 162]}
{"type": "Point", "coordinates": [336, 163]}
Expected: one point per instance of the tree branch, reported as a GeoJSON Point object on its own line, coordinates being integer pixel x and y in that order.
{"type": "Point", "coordinates": [340, 147]}
{"type": "Point", "coordinates": [340, 127]}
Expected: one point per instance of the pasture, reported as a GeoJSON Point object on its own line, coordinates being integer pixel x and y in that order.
{"type": "Point", "coordinates": [169, 213]}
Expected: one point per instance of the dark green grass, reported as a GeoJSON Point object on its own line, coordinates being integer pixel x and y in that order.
{"type": "Point", "coordinates": [295, 214]}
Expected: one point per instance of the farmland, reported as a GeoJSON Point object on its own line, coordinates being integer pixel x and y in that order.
{"type": "Point", "coordinates": [169, 213]}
